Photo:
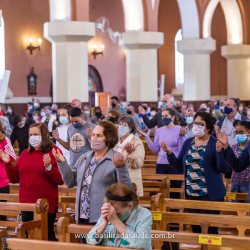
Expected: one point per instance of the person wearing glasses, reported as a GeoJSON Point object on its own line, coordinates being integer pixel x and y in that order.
{"type": "Point", "coordinates": [201, 165]}
{"type": "Point", "coordinates": [131, 146]}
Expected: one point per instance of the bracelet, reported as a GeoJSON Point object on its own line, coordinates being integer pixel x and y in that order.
{"type": "Point", "coordinates": [48, 168]}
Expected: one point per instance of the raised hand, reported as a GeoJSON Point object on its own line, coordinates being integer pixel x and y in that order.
{"type": "Point", "coordinates": [119, 161]}
{"type": "Point", "coordinates": [2, 137]}
{"type": "Point", "coordinates": [58, 156]}
{"type": "Point", "coordinates": [219, 147]}
{"type": "Point", "coordinates": [47, 161]}
{"type": "Point", "coordinates": [4, 156]}
{"type": "Point", "coordinates": [89, 131]}
{"type": "Point", "coordinates": [141, 110]}
{"type": "Point", "coordinates": [56, 123]}
{"type": "Point", "coordinates": [184, 110]}
{"type": "Point", "coordinates": [165, 148]}
{"type": "Point", "coordinates": [55, 134]}
{"type": "Point", "coordinates": [129, 148]}
{"type": "Point", "coordinates": [142, 133]}
{"type": "Point", "coordinates": [183, 131]}
{"type": "Point", "coordinates": [222, 137]}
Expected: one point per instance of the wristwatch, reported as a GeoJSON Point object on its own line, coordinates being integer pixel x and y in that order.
{"type": "Point", "coordinates": [48, 168]}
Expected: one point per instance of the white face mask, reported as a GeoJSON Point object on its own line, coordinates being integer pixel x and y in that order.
{"type": "Point", "coordinates": [153, 113]}
{"type": "Point", "coordinates": [36, 105]}
{"type": "Point", "coordinates": [199, 132]}
{"type": "Point", "coordinates": [240, 108]}
{"type": "Point", "coordinates": [35, 140]}
{"type": "Point", "coordinates": [122, 130]}
{"type": "Point", "coordinates": [87, 111]}
{"type": "Point", "coordinates": [42, 114]}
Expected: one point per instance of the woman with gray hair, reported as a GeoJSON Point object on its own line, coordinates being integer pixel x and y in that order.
{"type": "Point", "coordinates": [130, 145]}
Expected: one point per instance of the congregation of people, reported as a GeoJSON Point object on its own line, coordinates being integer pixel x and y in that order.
{"type": "Point", "coordinates": [102, 154]}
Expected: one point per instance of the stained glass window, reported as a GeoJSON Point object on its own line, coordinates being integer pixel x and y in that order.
{"type": "Point", "coordinates": [92, 85]}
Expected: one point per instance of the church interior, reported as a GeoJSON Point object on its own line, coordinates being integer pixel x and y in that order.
{"type": "Point", "coordinates": [125, 117]}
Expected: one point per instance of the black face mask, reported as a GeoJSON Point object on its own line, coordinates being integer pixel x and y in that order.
{"type": "Point", "coordinates": [178, 109]}
{"type": "Point", "coordinates": [112, 119]}
{"type": "Point", "coordinates": [145, 108]}
{"type": "Point", "coordinates": [98, 113]}
{"type": "Point", "coordinates": [129, 112]}
{"type": "Point", "coordinates": [113, 104]}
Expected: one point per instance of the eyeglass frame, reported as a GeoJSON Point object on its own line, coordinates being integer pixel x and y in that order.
{"type": "Point", "coordinates": [199, 124]}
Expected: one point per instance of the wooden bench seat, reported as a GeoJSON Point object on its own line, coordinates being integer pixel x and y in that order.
{"type": "Point", "coordinates": [38, 228]}
{"type": "Point", "coordinates": [65, 230]}
{"type": "Point", "coordinates": [162, 204]}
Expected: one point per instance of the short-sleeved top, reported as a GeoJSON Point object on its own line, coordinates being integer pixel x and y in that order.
{"type": "Point", "coordinates": [195, 177]}
{"type": "Point", "coordinates": [78, 142]}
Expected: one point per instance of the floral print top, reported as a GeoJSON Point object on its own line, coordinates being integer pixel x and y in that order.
{"type": "Point", "coordinates": [85, 196]}
{"type": "Point", "coordinates": [241, 178]}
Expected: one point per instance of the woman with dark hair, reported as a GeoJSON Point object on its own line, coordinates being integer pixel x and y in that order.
{"type": "Point", "coordinates": [121, 214]}
{"type": "Point", "coordinates": [98, 113]}
{"type": "Point", "coordinates": [238, 162]}
{"type": "Point", "coordinates": [174, 136]}
{"type": "Point", "coordinates": [36, 116]}
{"type": "Point", "coordinates": [201, 165]}
{"type": "Point", "coordinates": [131, 146]}
{"type": "Point", "coordinates": [10, 114]}
{"type": "Point", "coordinates": [97, 169]}
{"type": "Point", "coordinates": [240, 181]}
{"type": "Point", "coordinates": [113, 116]}
{"type": "Point", "coordinates": [37, 173]}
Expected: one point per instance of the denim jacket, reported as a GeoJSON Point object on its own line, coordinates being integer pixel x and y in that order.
{"type": "Point", "coordinates": [138, 235]}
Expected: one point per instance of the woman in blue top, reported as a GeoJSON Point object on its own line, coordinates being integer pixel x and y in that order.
{"type": "Point", "coordinates": [122, 223]}
{"type": "Point", "coordinates": [201, 165]}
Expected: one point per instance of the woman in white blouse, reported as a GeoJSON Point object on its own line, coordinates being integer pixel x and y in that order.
{"type": "Point", "coordinates": [131, 146]}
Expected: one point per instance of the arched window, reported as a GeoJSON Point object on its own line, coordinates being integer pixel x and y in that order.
{"type": "Point", "coordinates": [179, 61]}
{"type": "Point", "coordinates": [2, 50]}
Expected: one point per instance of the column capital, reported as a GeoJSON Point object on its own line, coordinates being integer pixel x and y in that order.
{"type": "Point", "coordinates": [141, 40]}
{"type": "Point", "coordinates": [73, 31]}
{"type": "Point", "coordinates": [236, 51]}
{"type": "Point", "coordinates": [196, 46]}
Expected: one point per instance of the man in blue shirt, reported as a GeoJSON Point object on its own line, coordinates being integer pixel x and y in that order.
{"type": "Point", "coordinates": [116, 105]}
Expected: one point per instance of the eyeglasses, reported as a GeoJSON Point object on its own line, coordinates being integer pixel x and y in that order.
{"type": "Point", "coordinates": [124, 124]}
{"type": "Point", "coordinates": [199, 124]}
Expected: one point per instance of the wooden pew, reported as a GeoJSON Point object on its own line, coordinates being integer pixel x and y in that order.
{"type": "Point", "coordinates": [162, 204]}
{"type": "Point", "coordinates": [40, 222]}
{"type": "Point", "coordinates": [65, 230]}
